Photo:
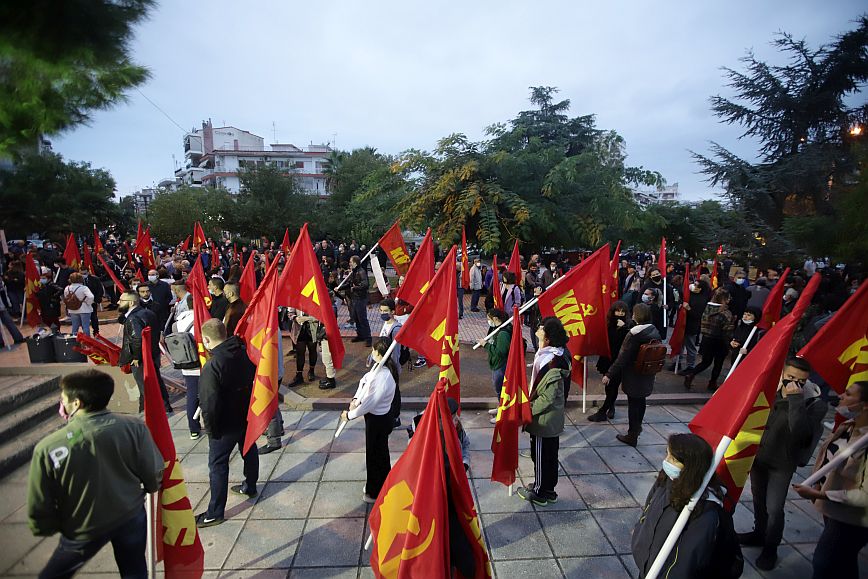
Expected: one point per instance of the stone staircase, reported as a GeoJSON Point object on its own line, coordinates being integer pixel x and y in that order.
{"type": "Point", "coordinates": [28, 412]}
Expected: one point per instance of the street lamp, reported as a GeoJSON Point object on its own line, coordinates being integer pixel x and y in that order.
{"type": "Point", "coordinates": [856, 130]}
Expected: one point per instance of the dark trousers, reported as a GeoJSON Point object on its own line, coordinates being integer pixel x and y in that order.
{"type": "Point", "coordinates": [544, 454]}
{"type": "Point", "coordinates": [713, 351]}
{"type": "Point", "coordinates": [769, 487]}
{"type": "Point", "coordinates": [94, 320]}
{"type": "Point", "coordinates": [275, 429]}
{"type": "Point", "coordinates": [612, 395]}
{"type": "Point", "coordinates": [139, 376]}
{"type": "Point", "coordinates": [497, 380]}
{"type": "Point", "coordinates": [377, 462]}
{"type": "Point", "coordinates": [192, 384]}
{"type": "Point", "coordinates": [300, 347]}
{"type": "Point", "coordinates": [9, 324]}
{"type": "Point", "coordinates": [837, 553]}
{"type": "Point", "coordinates": [460, 301]}
{"type": "Point", "coordinates": [219, 451]}
{"type": "Point", "coordinates": [360, 308]}
{"type": "Point", "coordinates": [635, 414]}
{"type": "Point", "coordinates": [474, 299]}
{"type": "Point", "coordinates": [128, 542]}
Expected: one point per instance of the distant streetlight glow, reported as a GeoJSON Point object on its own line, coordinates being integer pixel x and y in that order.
{"type": "Point", "coordinates": [856, 130]}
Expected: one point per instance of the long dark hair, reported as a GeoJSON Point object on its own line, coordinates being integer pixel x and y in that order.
{"type": "Point", "coordinates": [381, 346]}
{"type": "Point", "coordinates": [617, 306]}
{"type": "Point", "coordinates": [696, 455]}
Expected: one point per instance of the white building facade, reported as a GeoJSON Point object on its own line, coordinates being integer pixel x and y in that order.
{"type": "Point", "coordinates": [654, 196]}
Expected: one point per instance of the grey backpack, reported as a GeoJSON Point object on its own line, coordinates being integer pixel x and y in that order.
{"type": "Point", "coordinates": [182, 350]}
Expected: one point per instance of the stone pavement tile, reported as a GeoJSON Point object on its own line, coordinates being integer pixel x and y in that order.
{"type": "Point", "coordinates": [574, 533]}
{"type": "Point", "coordinates": [526, 468]}
{"type": "Point", "coordinates": [665, 429]}
{"type": "Point", "coordinates": [291, 418]}
{"type": "Point", "coordinates": [568, 498]}
{"type": "Point", "coordinates": [477, 418]}
{"type": "Point", "coordinates": [609, 567]}
{"type": "Point", "coordinates": [330, 542]}
{"type": "Point", "coordinates": [297, 466]}
{"type": "Point", "coordinates": [807, 551]}
{"type": "Point", "coordinates": [480, 438]}
{"type": "Point", "coordinates": [255, 574]}
{"type": "Point", "coordinates": [638, 483]}
{"type": "Point", "coordinates": [742, 518]}
{"type": "Point", "coordinates": [600, 434]}
{"type": "Point", "coordinates": [515, 536]}
{"type": "Point", "coordinates": [19, 516]}
{"type": "Point", "coordinates": [650, 437]}
{"type": "Point", "coordinates": [14, 497]}
{"type": "Point", "coordinates": [349, 440]}
{"type": "Point", "coordinates": [349, 466]}
{"type": "Point", "coordinates": [582, 461]}
{"type": "Point", "coordinates": [319, 419]}
{"type": "Point", "coordinates": [624, 459]}
{"type": "Point", "coordinates": [480, 463]}
{"type": "Point", "coordinates": [338, 500]}
{"type": "Point", "coordinates": [629, 564]}
{"type": "Point", "coordinates": [618, 525]}
{"type": "Point", "coordinates": [572, 437]}
{"type": "Point", "coordinates": [326, 573]}
{"type": "Point", "coordinates": [791, 563]}
{"type": "Point", "coordinates": [265, 545]}
{"type": "Point", "coordinates": [18, 475]}
{"type": "Point", "coordinates": [808, 508]}
{"type": "Point", "coordinates": [653, 453]}
{"type": "Point", "coordinates": [603, 491]}
{"type": "Point", "coordinates": [655, 414]}
{"type": "Point", "coordinates": [183, 443]}
{"type": "Point", "coordinates": [196, 492]}
{"type": "Point", "coordinates": [492, 497]}
{"type": "Point", "coordinates": [799, 527]}
{"type": "Point", "coordinates": [218, 541]}
{"type": "Point", "coordinates": [267, 462]}
{"type": "Point", "coordinates": [683, 413]}
{"type": "Point", "coordinates": [195, 467]}
{"type": "Point", "coordinates": [284, 500]}
{"type": "Point", "coordinates": [22, 552]}
{"type": "Point", "coordinates": [543, 568]}
{"type": "Point", "coordinates": [311, 441]}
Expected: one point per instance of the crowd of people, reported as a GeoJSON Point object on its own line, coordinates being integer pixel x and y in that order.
{"type": "Point", "coordinates": [723, 304]}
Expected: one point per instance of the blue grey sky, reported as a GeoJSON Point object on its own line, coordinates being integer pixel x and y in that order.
{"type": "Point", "coordinates": [396, 75]}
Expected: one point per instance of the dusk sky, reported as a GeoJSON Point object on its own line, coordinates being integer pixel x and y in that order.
{"type": "Point", "coordinates": [396, 75]}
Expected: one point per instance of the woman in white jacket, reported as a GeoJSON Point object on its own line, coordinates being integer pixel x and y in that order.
{"type": "Point", "coordinates": [373, 400]}
{"type": "Point", "coordinates": [76, 291]}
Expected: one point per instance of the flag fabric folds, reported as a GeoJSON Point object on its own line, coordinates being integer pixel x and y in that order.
{"type": "Point", "coordinates": [302, 287]}
{"type": "Point", "coordinates": [185, 245]}
{"type": "Point", "coordinates": [70, 253]}
{"type": "Point", "coordinates": [199, 238]}
{"type": "Point", "coordinates": [420, 273]}
{"type": "Point", "coordinates": [740, 408]}
{"type": "Point", "coordinates": [465, 261]}
{"type": "Point", "coordinates": [178, 542]}
{"type": "Point", "coordinates": [97, 242]}
{"type": "Point", "coordinates": [100, 350]}
{"type": "Point", "coordinates": [432, 328]}
{"type": "Point", "coordinates": [393, 244]}
{"type": "Point", "coordinates": [515, 265]}
{"type": "Point", "coordinates": [145, 249]}
{"type": "Point", "coordinates": [118, 283]}
{"type": "Point", "coordinates": [247, 283]}
{"type": "Point", "coordinates": [31, 286]}
{"type": "Point", "coordinates": [774, 303]}
{"type": "Point", "coordinates": [495, 284]}
{"type": "Point", "coordinates": [87, 260]}
{"type": "Point", "coordinates": [613, 274]}
{"type": "Point", "coordinates": [285, 245]}
{"type": "Point", "coordinates": [197, 286]}
{"type": "Point", "coordinates": [839, 350]}
{"type": "Point", "coordinates": [259, 329]}
{"type": "Point", "coordinates": [676, 340]}
{"type": "Point", "coordinates": [513, 412]}
{"type": "Point", "coordinates": [661, 263]}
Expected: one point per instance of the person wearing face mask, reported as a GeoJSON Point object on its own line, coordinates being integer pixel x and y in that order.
{"type": "Point", "coordinates": [651, 298]}
{"type": "Point", "coordinates": [88, 480]}
{"type": "Point", "coordinates": [162, 293]}
{"type": "Point", "coordinates": [498, 350]}
{"type": "Point", "coordinates": [655, 282]}
{"type": "Point", "coordinates": [717, 326]}
{"type": "Point", "coordinates": [225, 387]}
{"type": "Point", "coordinates": [792, 431]}
{"type": "Point", "coordinates": [135, 318]}
{"type": "Point", "coordinates": [688, 458]}
{"type": "Point", "coordinates": [377, 400]}
{"type": "Point", "coordinates": [219, 303]}
{"type": "Point", "coordinates": [842, 496]}
{"type": "Point", "coordinates": [739, 343]}
{"type": "Point", "coordinates": [617, 327]}
{"type": "Point", "coordinates": [390, 328]}
{"type": "Point", "coordinates": [738, 294]}
{"type": "Point", "coordinates": [49, 296]}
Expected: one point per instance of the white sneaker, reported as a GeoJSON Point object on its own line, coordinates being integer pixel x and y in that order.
{"type": "Point", "coordinates": [493, 412]}
{"type": "Point", "coordinates": [493, 420]}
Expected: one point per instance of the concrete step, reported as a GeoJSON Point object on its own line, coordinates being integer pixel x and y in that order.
{"type": "Point", "coordinates": [16, 391]}
{"type": "Point", "coordinates": [28, 416]}
{"type": "Point", "coordinates": [18, 450]}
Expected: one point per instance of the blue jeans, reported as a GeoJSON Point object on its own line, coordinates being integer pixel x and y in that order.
{"type": "Point", "coordinates": [497, 380]}
{"type": "Point", "coordinates": [360, 308]}
{"type": "Point", "coordinates": [219, 451]}
{"type": "Point", "coordinates": [6, 320]}
{"type": "Point", "coordinates": [192, 384]}
{"type": "Point", "coordinates": [80, 321]}
{"type": "Point", "coordinates": [474, 299]}
{"type": "Point", "coordinates": [128, 542]}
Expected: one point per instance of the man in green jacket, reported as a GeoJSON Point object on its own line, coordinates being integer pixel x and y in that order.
{"type": "Point", "coordinates": [498, 351]}
{"type": "Point", "coordinates": [549, 381]}
{"type": "Point", "coordinates": [88, 480]}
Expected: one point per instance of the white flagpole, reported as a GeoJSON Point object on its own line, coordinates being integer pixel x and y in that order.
{"type": "Point", "coordinates": [151, 549]}
{"type": "Point", "coordinates": [681, 522]}
{"type": "Point", "coordinates": [836, 462]}
{"type": "Point", "coordinates": [510, 488]}
{"type": "Point", "coordinates": [369, 541]}
{"type": "Point", "coordinates": [738, 358]}
{"type": "Point", "coordinates": [665, 311]}
{"type": "Point", "coordinates": [376, 368]}
{"type": "Point", "coordinates": [23, 310]}
{"type": "Point", "coordinates": [584, 383]}
{"type": "Point", "coordinates": [367, 255]}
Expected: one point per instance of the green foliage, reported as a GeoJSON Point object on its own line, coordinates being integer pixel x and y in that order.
{"type": "Point", "coordinates": [46, 195]}
{"type": "Point", "coordinates": [172, 214]}
{"type": "Point", "coordinates": [59, 61]}
{"type": "Point", "coordinates": [269, 202]}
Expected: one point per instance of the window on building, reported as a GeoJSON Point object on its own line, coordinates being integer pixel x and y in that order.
{"type": "Point", "coordinates": [299, 165]}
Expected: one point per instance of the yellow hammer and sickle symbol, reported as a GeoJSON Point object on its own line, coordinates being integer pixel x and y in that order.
{"type": "Point", "coordinates": [588, 309]}
{"type": "Point", "coordinates": [506, 402]}
{"type": "Point", "coordinates": [856, 354]}
{"type": "Point", "coordinates": [309, 291]}
{"type": "Point", "coordinates": [177, 521]}
{"type": "Point", "coordinates": [396, 519]}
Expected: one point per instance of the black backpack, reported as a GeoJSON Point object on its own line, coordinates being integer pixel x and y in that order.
{"type": "Point", "coordinates": [404, 356]}
{"type": "Point", "coordinates": [727, 561]}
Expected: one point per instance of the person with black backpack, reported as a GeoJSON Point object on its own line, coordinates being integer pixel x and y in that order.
{"type": "Point", "coordinates": [792, 432]}
{"type": "Point", "coordinates": [707, 547]}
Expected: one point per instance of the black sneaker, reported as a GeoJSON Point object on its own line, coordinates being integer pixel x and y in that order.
{"type": "Point", "coordinates": [203, 521]}
{"type": "Point", "coordinates": [767, 559]}
{"type": "Point", "coordinates": [327, 384]}
{"type": "Point", "coordinates": [752, 539]}
{"type": "Point", "coordinates": [550, 496]}
{"type": "Point", "coordinates": [267, 449]}
{"type": "Point", "coordinates": [599, 416]}
{"type": "Point", "coordinates": [530, 496]}
{"type": "Point", "coordinates": [239, 490]}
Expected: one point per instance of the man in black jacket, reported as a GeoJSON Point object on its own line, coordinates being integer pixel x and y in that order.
{"type": "Point", "coordinates": [225, 387]}
{"type": "Point", "coordinates": [359, 286]}
{"type": "Point", "coordinates": [95, 286]}
{"type": "Point", "coordinates": [162, 294]}
{"type": "Point", "coordinates": [636, 386]}
{"type": "Point", "coordinates": [792, 431]}
{"type": "Point", "coordinates": [135, 319]}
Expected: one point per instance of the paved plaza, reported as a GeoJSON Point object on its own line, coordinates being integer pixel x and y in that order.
{"type": "Point", "coordinates": [309, 519]}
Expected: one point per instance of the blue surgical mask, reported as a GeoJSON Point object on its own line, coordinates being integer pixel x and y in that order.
{"type": "Point", "coordinates": [672, 471]}
{"type": "Point", "coordinates": [385, 317]}
{"type": "Point", "coordinates": [646, 299]}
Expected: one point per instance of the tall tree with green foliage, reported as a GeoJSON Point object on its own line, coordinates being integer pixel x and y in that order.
{"type": "Point", "coordinates": [60, 61]}
{"type": "Point", "coordinates": [270, 201]}
{"type": "Point", "coordinates": [172, 213]}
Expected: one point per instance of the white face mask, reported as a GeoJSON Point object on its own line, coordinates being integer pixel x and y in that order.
{"type": "Point", "coordinates": [747, 321]}
{"type": "Point", "coordinates": [848, 413]}
{"type": "Point", "coordinates": [152, 278]}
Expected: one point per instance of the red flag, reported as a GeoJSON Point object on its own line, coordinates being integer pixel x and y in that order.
{"type": "Point", "coordinates": [97, 242]}
{"type": "Point", "coordinates": [661, 263]}
{"type": "Point", "coordinates": [260, 331]}
{"type": "Point", "coordinates": [197, 286]}
{"type": "Point", "coordinates": [121, 287]}
{"type": "Point", "coordinates": [285, 245]}
{"type": "Point", "coordinates": [714, 281]}
{"type": "Point", "coordinates": [839, 351]}
{"type": "Point", "coordinates": [303, 287]}
{"type": "Point", "coordinates": [70, 254]}
{"type": "Point", "coordinates": [234, 251]}
{"type": "Point", "coordinates": [86, 258]}
{"type": "Point", "coordinates": [773, 304]}
{"type": "Point", "coordinates": [495, 285]}
{"type": "Point", "coordinates": [267, 261]}
{"type": "Point", "coordinates": [178, 543]}
{"type": "Point", "coordinates": [131, 263]}
{"type": "Point", "coordinates": [432, 328]}
{"type": "Point", "coordinates": [613, 271]}
{"type": "Point", "coordinates": [465, 261]}
{"type": "Point", "coordinates": [676, 340]}
{"type": "Point", "coordinates": [577, 301]}
{"type": "Point", "coordinates": [420, 274]}
{"type": "Point", "coordinates": [146, 250]}
{"type": "Point", "coordinates": [740, 407]}
{"type": "Point", "coordinates": [247, 283]}
{"type": "Point", "coordinates": [513, 412]}
{"type": "Point", "coordinates": [392, 243]}
{"type": "Point", "coordinates": [515, 264]}
{"type": "Point", "coordinates": [199, 238]}
{"type": "Point", "coordinates": [138, 231]}
{"type": "Point", "coordinates": [186, 244]}
{"type": "Point", "coordinates": [31, 286]}
{"type": "Point", "coordinates": [100, 350]}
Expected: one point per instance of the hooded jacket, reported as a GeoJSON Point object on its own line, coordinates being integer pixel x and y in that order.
{"type": "Point", "coordinates": [225, 386]}
{"type": "Point", "coordinates": [633, 384]}
{"type": "Point", "coordinates": [790, 427]}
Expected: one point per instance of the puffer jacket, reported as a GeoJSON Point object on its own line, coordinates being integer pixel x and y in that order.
{"type": "Point", "coordinates": [717, 321]}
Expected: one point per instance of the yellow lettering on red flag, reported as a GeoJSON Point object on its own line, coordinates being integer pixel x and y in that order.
{"type": "Point", "coordinates": [424, 288]}
{"type": "Point", "coordinates": [309, 291]}
{"type": "Point", "coordinates": [398, 519]}
{"type": "Point", "coordinates": [855, 357]}
{"type": "Point", "coordinates": [738, 456]}
{"type": "Point", "coordinates": [398, 255]}
{"type": "Point", "coordinates": [572, 314]}
{"type": "Point", "coordinates": [448, 349]}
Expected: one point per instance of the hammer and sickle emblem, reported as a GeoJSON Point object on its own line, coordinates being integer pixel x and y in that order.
{"type": "Point", "coordinates": [396, 519]}
{"type": "Point", "coordinates": [588, 310]}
